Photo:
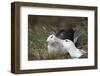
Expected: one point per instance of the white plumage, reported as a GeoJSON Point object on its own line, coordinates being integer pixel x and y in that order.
{"type": "Point", "coordinates": [72, 50]}
{"type": "Point", "coordinates": [56, 44]}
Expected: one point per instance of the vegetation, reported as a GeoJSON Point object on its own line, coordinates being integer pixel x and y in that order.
{"type": "Point", "coordinates": [40, 27]}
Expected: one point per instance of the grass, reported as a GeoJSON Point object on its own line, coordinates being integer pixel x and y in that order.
{"type": "Point", "coordinates": [40, 27]}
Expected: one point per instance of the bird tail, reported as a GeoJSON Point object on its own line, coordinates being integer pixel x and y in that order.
{"type": "Point", "coordinates": [84, 52]}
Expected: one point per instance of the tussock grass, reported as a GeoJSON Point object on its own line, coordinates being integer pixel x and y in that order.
{"type": "Point", "coordinates": [40, 27]}
{"type": "Point", "coordinates": [42, 54]}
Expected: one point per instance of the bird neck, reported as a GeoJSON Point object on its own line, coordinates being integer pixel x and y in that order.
{"type": "Point", "coordinates": [59, 41]}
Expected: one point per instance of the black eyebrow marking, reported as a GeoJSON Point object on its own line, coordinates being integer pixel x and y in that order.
{"type": "Point", "coordinates": [66, 40]}
{"type": "Point", "coordinates": [51, 36]}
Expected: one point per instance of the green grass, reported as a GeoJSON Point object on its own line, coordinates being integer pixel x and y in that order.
{"type": "Point", "coordinates": [43, 26]}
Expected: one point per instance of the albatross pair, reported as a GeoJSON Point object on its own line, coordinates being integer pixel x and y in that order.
{"type": "Point", "coordinates": [65, 43]}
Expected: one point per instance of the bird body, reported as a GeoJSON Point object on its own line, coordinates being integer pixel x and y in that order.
{"type": "Point", "coordinates": [55, 44]}
{"type": "Point", "coordinates": [72, 50]}
{"type": "Point", "coordinates": [56, 48]}
{"type": "Point", "coordinates": [64, 41]}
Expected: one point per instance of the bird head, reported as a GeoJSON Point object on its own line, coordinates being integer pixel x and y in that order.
{"type": "Point", "coordinates": [68, 43]}
{"type": "Point", "coordinates": [51, 39]}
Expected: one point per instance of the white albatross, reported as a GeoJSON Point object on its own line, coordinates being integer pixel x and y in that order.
{"type": "Point", "coordinates": [72, 49]}
{"type": "Point", "coordinates": [65, 46]}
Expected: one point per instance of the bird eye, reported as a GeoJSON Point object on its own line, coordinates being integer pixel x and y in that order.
{"type": "Point", "coordinates": [51, 36]}
{"type": "Point", "coordinates": [66, 40]}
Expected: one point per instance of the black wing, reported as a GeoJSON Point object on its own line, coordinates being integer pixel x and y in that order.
{"type": "Point", "coordinates": [66, 34]}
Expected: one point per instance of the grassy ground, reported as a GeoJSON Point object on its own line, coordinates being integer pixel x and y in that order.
{"type": "Point", "coordinates": [40, 27]}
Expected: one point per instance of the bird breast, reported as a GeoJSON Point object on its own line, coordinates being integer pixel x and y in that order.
{"type": "Point", "coordinates": [58, 48]}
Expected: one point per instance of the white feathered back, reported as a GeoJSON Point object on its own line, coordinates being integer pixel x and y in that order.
{"type": "Point", "coordinates": [72, 49]}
